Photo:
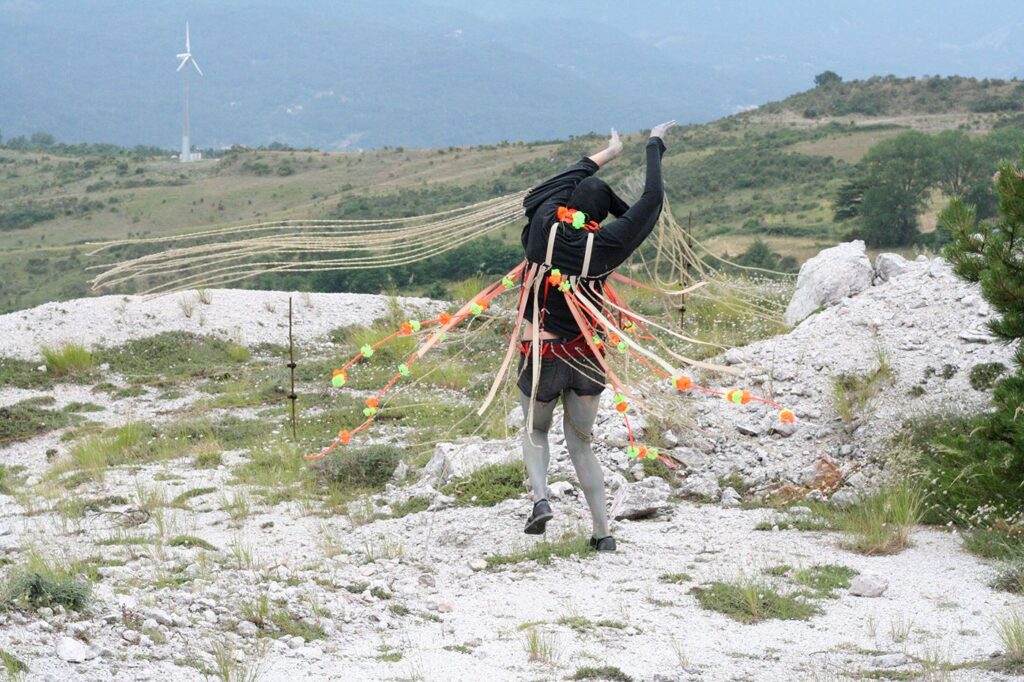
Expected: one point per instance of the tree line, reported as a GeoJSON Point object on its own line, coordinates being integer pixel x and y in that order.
{"type": "Point", "coordinates": [895, 180]}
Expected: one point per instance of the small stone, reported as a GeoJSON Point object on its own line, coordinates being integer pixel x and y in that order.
{"type": "Point", "coordinates": [749, 429]}
{"type": "Point", "coordinates": [559, 489]}
{"type": "Point", "coordinates": [730, 498]}
{"type": "Point", "coordinates": [444, 607]}
{"type": "Point", "coordinates": [868, 585]}
{"type": "Point", "coordinates": [401, 471]}
{"type": "Point", "coordinates": [296, 642]}
{"type": "Point", "coordinates": [798, 511]}
{"type": "Point", "coordinates": [45, 612]}
{"type": "Point", "coordinates": [845, 498]}
{"type": "Point", "coordinates": [130, 636]}
{"type": "Point", "coordinates": [74, 651]}
{"type": "Point", "coordinates": [426, 580]}
{"type": "Point", "coordinates": [888, 661]}
{"type": "Point", "coordinates": [246, 628]}
{"type": "Point", "coordinates": [478, 564]}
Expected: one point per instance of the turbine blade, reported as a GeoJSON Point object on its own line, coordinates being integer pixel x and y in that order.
{"type": "Point", "coordinates": [196, 64]}
{"type": "Point", "coordinates": [188, 48]}
{"type": "Point", "coordinates": [183, 63]}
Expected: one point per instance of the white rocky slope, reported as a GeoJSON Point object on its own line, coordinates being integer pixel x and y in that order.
{"type": "Point", "coordinates": [414, 588]}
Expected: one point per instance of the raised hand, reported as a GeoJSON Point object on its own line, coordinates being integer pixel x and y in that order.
{"type": "Point", "coordinates": [660, 129]}
{"type": "Point", "coordinates": [614, 143]}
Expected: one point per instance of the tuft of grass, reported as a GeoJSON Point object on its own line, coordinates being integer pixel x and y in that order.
{"type": "Point", "coordinates": [13, 667]}
{"type": "Point", "coordinates": [39, 582]}
{"type": "Point", "coordinates": [882, 523]}
{"type": "Point", "coordinates": [752, 601]}
{"type": "Point", "coordinates": [824, 580]}
{"type": "Point", "coordinates": [569, 545]}
{"type": "Point", "coordinates": [995, 543]}
{"type": "Point", "coordinates": [1010, 577]}
{"type": "Point", "coordinates": [237, 505]}
{"type": "Point", "coordinates": [359, 468]}
{"type": "Point", "coordinates": [541, 647]}
{"type": "Point", "coordinates": [675, 578]}
{"type": "Point", "coordinates": [413, 505]}
{"type": "Point", "coordinates": [191, 542]}
{"type": "Point", "coordinates": [489, 485]}
{"type": "Point", "coordinates": [231, 668]}
{"type": "Point", "coordinates": [132, 443]}
{"type": "Point", "coordinates": [1010, 629]}
{"type": "Point", "coordinates": [67, 359]}
{"type": "Point", "coordinates": [604, 672]}
{"type": "Point", "coordinates": [851, 392]}
{"type": "Point", "coordinates": [184, 497]}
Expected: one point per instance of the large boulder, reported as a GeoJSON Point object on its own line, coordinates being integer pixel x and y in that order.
{"type": "Point", "coordinates": [888, 265]}
{"type": "Point", "coordinates": [641, 500]}
{"type": "Point", "coordinates": [458, 460]}
{"type": "Point", "coordinates": [829, 277]}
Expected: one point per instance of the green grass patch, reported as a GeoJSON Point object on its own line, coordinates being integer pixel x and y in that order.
{"type": "Point", "coordinates": [26, 419]}
{"type": "Point", "coordinates": [39, 582]}
{"type": "Point", "coordinates": [67, 359]}
{"type": "Point", "coordinates": [752, 601]}
{"type": "Point", "coordinates": [983, 376]}
{"type": "Point", "coordinates": [357, 468]}
{"type": "Point", "coordinates": [133, 443]}
{"type": "Point", "coordinates": [413, 505]}
{"type": "Point", "coordinates": [674, 578]}
{"type": "Point", "coordinates": [173, 356]}
{"type": "Point", "coordinates": [1010, 577]}
{"type": "Point", "coordinates": [824, 580]}
{"type": "Point", "coordinates": [807, 523]}
{"type": "Point", "coordinates": [23, 374]}
{"type": "Point", "coordinates": [191, 542]}
{"type": "Point", "coordinates": [489, 485]}
{"type": "Point", "coordinates": [569, 545]}
{"type": "Point", "coordinates": [193, 493]}
{"type": "Point", "coordinates": [604, 672]}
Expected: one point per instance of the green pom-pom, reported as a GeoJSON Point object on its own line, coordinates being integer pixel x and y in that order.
{"type": "Point", "coordinates": [632, 451]}
{"type": "Point", "coordinates": [556, 272]}
{"type": "Point", "coordinates": [579, 219]}
{"type": "Point", "coordinates": [367, 351]}
{"type": "Point", "coordinates": [369, 411]}
{"type": "Point", "coordinates": [476, 309]}
{"type": "Point", "coordinates": [338, 381]}
{"type": "Point", "coordinates": [619, 398]}
{"type": "Point", "coordinates": [415, 324]}
{"type": "Point", "coordinates": [564, 286]}
{"type": "Point", "coordinates": [403, 369]}
{"type": "Point", "coordinates": [596, 340]}
{"type": "Point", "coordinates": [652, 453]}
{"type": "Point", "coordinates": [623, 346]}
{"type": "Point", "coordinates": [443, 337]}
{"type": "Point", "coordinates": [507, 282]}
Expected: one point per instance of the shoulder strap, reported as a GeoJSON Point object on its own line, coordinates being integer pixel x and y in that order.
{"type": "Point", "coordinates": [584, 273]}
{"type": "Point", "coordinates": [551, 245]}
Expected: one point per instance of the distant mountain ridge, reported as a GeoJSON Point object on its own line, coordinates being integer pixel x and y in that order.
{"type": "Point", "coordinates": [348, 75]}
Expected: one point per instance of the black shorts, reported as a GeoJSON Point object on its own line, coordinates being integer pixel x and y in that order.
{"type": "Point", "coordinates": [581, 374]}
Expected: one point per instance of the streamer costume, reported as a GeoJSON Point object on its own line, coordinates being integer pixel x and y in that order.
{"type": "Point", "coordinates": [573, 331]}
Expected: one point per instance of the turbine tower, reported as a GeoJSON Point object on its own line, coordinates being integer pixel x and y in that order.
{"type": "Point", "coordinates": [186, 57]}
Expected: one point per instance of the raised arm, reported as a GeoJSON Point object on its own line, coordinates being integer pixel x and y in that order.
{"type": "Point", "coordinates": [619, 238]}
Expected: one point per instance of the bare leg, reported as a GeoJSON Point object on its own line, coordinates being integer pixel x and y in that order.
{"type": "Point", "coordinates": [536, 452]}
{"type": "Point", "coordinates": [580, 413]}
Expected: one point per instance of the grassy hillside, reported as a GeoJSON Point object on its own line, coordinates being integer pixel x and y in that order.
{"type": "Point", "coordinates": [770, 174]}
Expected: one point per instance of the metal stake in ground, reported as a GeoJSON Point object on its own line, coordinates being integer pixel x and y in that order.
{"type": "Point", "coordinates": [291, 366]}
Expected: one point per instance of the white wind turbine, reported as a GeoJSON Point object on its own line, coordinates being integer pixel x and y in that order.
{"type": "Point", "coordinates": [186, 57]}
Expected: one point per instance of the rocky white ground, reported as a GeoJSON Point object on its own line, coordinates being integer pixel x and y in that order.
{"type": "Point", "coordinates": [411, 598]}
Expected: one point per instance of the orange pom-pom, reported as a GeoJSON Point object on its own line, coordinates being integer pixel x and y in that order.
{"type": "Point", "coordinates": [344, 436]}
{"type": "Point", "coordinates": [622, 407]}
{"type": "Point", "coordinates": [787, 417]}
{"type": "Point", "coordinates": [683, 383]}
{"type": "Point", "coordinates": [406, 328]}
{"type": "Point", "coordinates": [444, 318]}
{"type": "Point", "coordinates": [563, 213]}
{"type": "Point", "coordinates": [372, 403]}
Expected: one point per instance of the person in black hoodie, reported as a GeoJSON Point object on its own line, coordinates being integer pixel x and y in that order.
{"type": "Point", "coordinates": [568, 367]}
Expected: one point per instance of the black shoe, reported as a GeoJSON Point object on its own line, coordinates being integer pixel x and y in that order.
{"type": "Point", "coordinates": [539, 518]}
{"type": "Point", "coordinates": [605, 544]}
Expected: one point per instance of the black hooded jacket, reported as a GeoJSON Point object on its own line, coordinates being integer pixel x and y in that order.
{"type": "Point", "coordinates": [613, 243]}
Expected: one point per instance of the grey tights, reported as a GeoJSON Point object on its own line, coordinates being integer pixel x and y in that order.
{"type": "Point", "coordinates": [580, 411]}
